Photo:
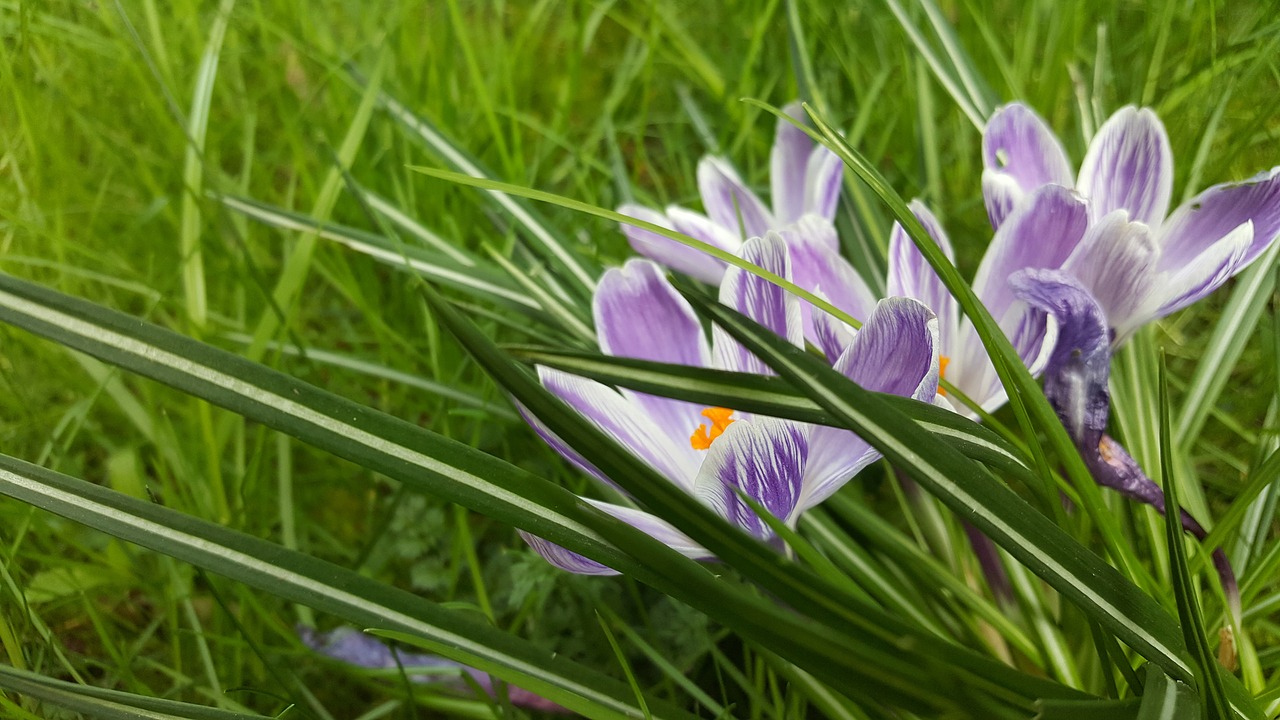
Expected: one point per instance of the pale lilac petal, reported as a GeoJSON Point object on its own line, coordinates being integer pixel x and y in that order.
{"type": "Point", "coordinates": [1000, 194]}
{"type": "Point", "coordinates": [656, 528]}
{"type": "Point", "coordinates": [760, 300]}
{"type": "Point", "coordinates": [668, 252]}
{"type": "Point", "coordinates": [1129, 166]}
{"type": "Point", "coordinates": [627, 423]}
{"type": "Point", "coordinates": [363, 650]}
{"type": "Point", "coordinates": [831, 336]}
{"type": "Point", "coordinates": [1116, 263]}
{"type": "Point", "coordinates": [789, 161]}
{"type": "Point", "coordinates": [1206, 273]}
{"type": "Point", "coordinates": [910, 275]}
{"type": "Point", "coordinates": [729, 202]}
{"type": "Point", "coordinates": [1040, 233]}
{"type": "Point", "coordinates": [638, 314]}
{"type": "Point", "coordinates": [896, 352]}
{"type": "Point", "coordinates": [1214, 213]}
{"type": "Point", "coordinates": [817, 266]}
{"type": "Point", "coordinates": [1019, 146]}
{"type": "Point", "coordinates": [651, 525]}
{"type": "Point", "coordinates": [700, 227]}
{"type": "Point", "coordinates": [764, 458]}
{"type": "Point", "coordinates": [822, 182]}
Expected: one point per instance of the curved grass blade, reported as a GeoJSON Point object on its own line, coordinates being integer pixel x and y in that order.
{"type": "Point", "coordinates": [327, 587]}
{"type": "Point", "coordinates": [774, 396]}
{"type": "Point", "coordinates": [479, 281]}
{"type": "Point", "coordinates": [681, 238]}
{"type": "Point", "coordinates": [1164, 698]}
{"type": "Point", "coordinates": [972, 493]}
{"type": "Point", "coordinates": [845, 616]}
{"type": "Point", "coordinates": [418, 458]}
{"type": "Point", "coordinates": [109, 704]}
{"type": "Point", "coordinates": [544, 240]}
{"type": "Point", "coordinates": [1208, 679]}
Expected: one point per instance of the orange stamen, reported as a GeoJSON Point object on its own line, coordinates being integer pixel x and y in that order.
{"type": "Point", "coordinates": [943, 361]}
{"type": "Point", "coordinates": [721, 418]}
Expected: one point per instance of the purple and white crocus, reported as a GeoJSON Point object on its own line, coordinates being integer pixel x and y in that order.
{"type": "Point", "coordinates": [805, 180]}
{"type": "Point", "coordinates": [1137, 263]}
{"type": "Point", "coordinates": [1129, 266]}
{"type": "Point", "coordinates": [712, 453]}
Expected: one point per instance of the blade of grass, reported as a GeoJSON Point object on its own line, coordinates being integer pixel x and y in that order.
{"type": "Point", "coordinates": [1207, 678]}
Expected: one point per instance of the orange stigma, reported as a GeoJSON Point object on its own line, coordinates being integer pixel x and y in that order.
{"type": "Point", "coordinates": [943, 361]}
{"type": "Point", "coordinates": [720, 419]}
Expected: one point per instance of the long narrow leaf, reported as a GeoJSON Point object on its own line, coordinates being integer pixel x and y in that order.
{"type": "Point", "coordinates": [419, 458]}
{"type": "Point", "coordinates": [108, 704]}
{"type": "Point", "coordinates": [773, 396]}
{"type": "Point", "coordinates": [321, 585]}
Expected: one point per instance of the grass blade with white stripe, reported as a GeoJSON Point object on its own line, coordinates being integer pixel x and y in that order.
{"type": "Point", "coordinates": [421, 459]}
{"type": "Point", "coordinates": [971, 492]}
{"type": "Point", "coordinates": [1207, 679]}
{"type": "Point", "coordinates": [771, 395]}
{"type": "Point", "coordinates": [109, 704]}
{"type": "Point", "coordinates": [327, 587]}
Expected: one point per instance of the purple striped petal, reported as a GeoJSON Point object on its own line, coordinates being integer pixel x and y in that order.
{"type": "Point", "coordinates": [759, 300]}
{"type": "Point", "coordinates": [1116, 263]}
{"type": "Point", "coordinates": [896, 351]}
{"type": "Point", "coordinates": [1129, 166]}
{"type": "Point", "coordinates": [822, 182]}
{"type": "Point", "coordinates": [563, 448]}
{"type": "Point", "coordinates": [765, 459]}
{"type": "Point", "coordinates": [831, 336]}
{"type": "Point", "coordinates": [911, 276]}
{"type": "Point", "coordinates": [627, 423]}
{"type": "Point", "coordinates": [1040, 233]}
{"type": "Point", "coordinates": [1019, 148]}
{"type": "Point", "coordinates": [817, 266]}
{"type": "Point", "coordinates": [1213, 214]}
{"type": "Point", "coordinates": [363, 650]}
{"type": "Point", "coordinates": [1076, 376]}
{"type": "Point", "coordinates": [1206, 273]}
{"type": "Point", "coordinates": [789, 161]}
{"type": "Point", "coordinates": [651, 525]}
{"type": "Point", "coordinates": [668, 252]}
{"type": "Point", "coordinates": [565, 560]}
{"type": "Point", "coordinates": [729, 202]}
{"type": "Point", "coordinates": [639, 315]}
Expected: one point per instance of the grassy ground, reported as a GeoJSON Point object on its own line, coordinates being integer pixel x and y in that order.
{"type": "Point", "coordinates": [116, 122]}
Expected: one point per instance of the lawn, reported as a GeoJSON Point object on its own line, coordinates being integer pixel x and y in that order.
{"type": "Point", "coordinates": [260, 182]}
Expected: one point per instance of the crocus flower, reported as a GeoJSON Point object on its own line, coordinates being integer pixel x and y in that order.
{"type": "Point", "coordinates": [1076, 385]}
{"type": "Point", "coordinates": [366, 651]}
{"type": "Point", "coordinates": [1027, 240]}
{"type": "Point", "coordinates": [713, 452]}
{"type": "Point", "coordinates": [804, 180]}
{"type": "Point", "coordinates": [1137, 263]}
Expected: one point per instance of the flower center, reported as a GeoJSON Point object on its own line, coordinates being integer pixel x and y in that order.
{"type": "Point", "coordinates": [721, 418]}
{"type": "Point", "coordinates": [943, 361]}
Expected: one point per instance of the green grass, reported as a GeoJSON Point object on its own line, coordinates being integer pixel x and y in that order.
{"type": "Point", "coordinates": [116, 124]}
